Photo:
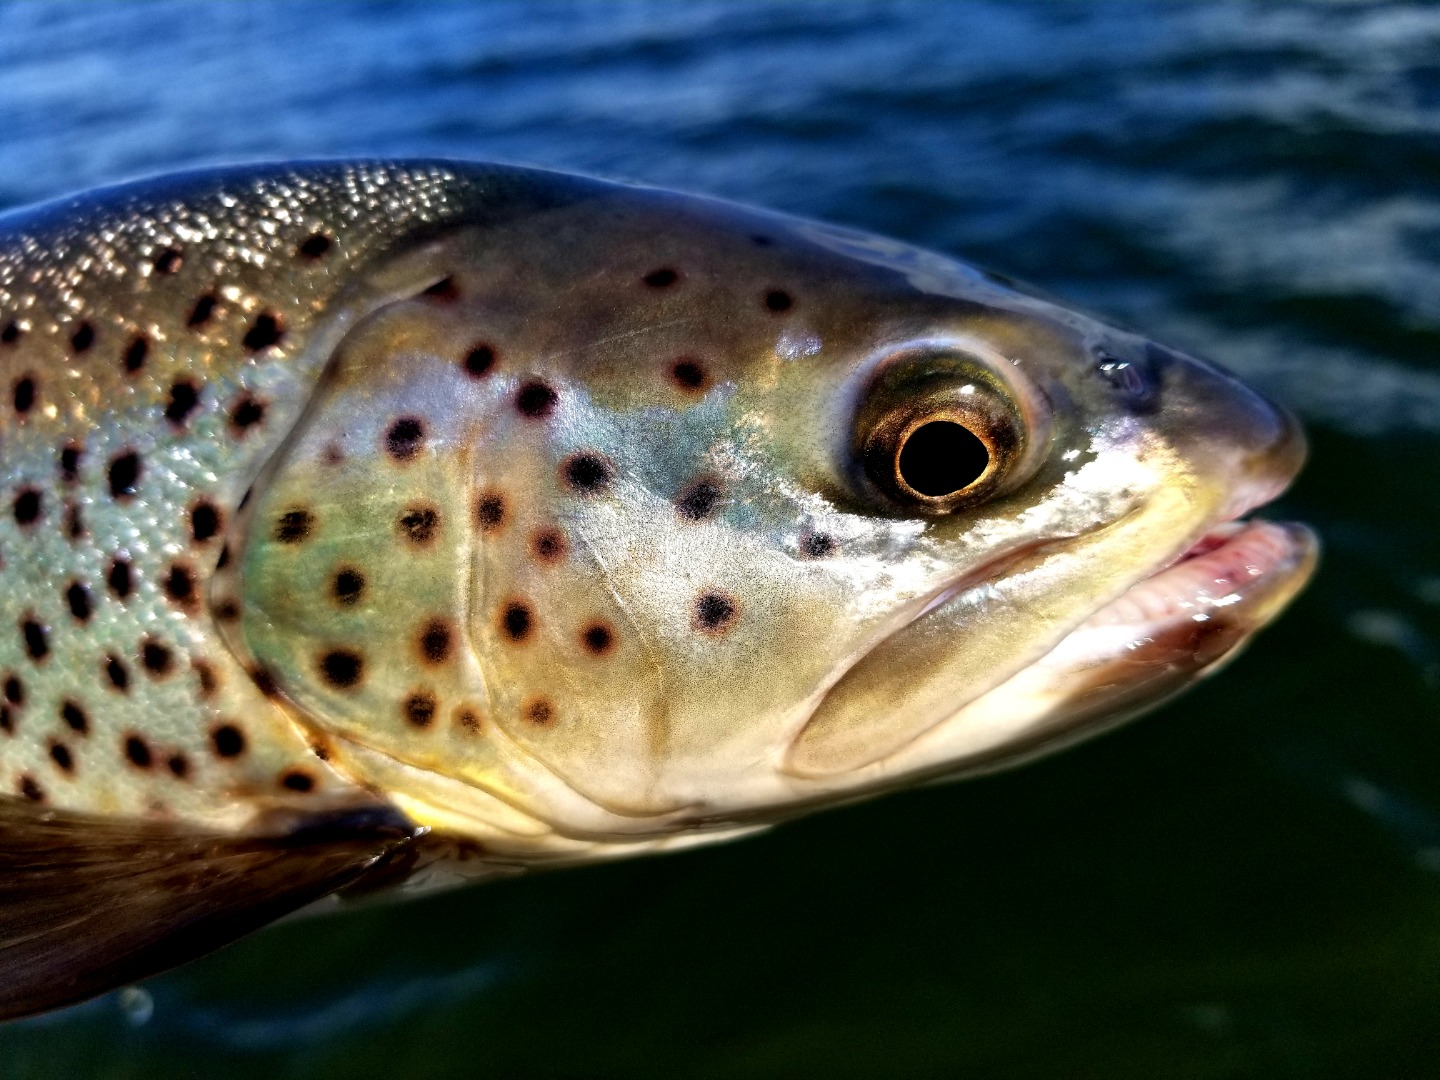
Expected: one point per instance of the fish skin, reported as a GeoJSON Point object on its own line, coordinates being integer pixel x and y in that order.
{"type": "Point", "coordinates": [607, 604]}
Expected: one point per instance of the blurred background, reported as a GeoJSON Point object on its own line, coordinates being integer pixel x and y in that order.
{"type": "Point", "coordinates": [1246, 883]}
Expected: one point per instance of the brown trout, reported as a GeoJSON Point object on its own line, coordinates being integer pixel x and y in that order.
{"type": "Point", "coordinates": [406, 523]}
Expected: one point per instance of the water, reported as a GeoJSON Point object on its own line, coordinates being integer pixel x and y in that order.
{"type": "Point", "coordinates": [1246, 883]}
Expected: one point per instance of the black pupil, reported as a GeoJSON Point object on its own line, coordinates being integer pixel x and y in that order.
{"type": "Point", "coordinates": [941, 458]}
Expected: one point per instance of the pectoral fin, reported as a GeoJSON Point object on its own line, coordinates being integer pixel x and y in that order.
{"type": "Point", "coordinates": [90, 904]}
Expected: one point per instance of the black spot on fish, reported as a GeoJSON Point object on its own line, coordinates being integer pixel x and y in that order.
{"type": "Point", "coordinates": [315, 246]}
{"type": "Point", "coordinates": [536, 400]}
{"type": "Point", "coordinates": [10, 334]}
{"type": "Point", "coordinates": [264, 681]}
{"type": "Point", "coordinates": [137, 750]}
{"type": "Point", "coordinates": [294, 526]}
{"type": "Point", "coordinates": [135, 354]}
{"type": "Point", "coordinates": [714, 612]}
{"type": "Point", "coordinates": [490, 511]}
{"type": "Point", "coordinates": [14, 690]}
{"type": "Point", "coordinates": [77, 596]}
{"type": "Point", "coordinates": [31, 790]}
{"type": "Point", "coordinates": [248, 412]}
{"type": "Point", "coordinates": [117, 673]}
{"type": "Point", "coordinates": [74, 525]}
{"type": "Point", "coordinates": [70, 462]}
{"type": "Point", "coordinates": [179, 585]}
{"type": "Point", "coordinates": [7, 722]}
{"type": "Point", "coordinates": [124, 474]}
{"type": "Point", "coordinates": [184, 397]}
{"type": "Point", "coordinates": [349, 585]}
{"type": "Point", "coordinates": [662, 278]}
{"type": "Point", "coordinates": [201, 313]}
{"type": "Point", "coordinates": [265, 332]}
{"type": "Point", "coordinates": [540, 711]}
{"type": "Point", "coordinates": [516, 621]}
{"type": "Point", "coordinates": [817, 545]}
{"type": "Point", "coordinates": [204, 521]}
{"type": "Point", "coordinates": [479, 361]}
{"type": "Point", "coordinates": [342, 668]}
{"type": "Point", "coordinates": [435, 640]}
{"type": "Point", "coordinates": [588, 473]}
{"type": "Point", "coordinates": [24, 394]}
{"type": "Point", "coordinates": [120, 579]}
{"type": "Point", "coordinates": [419, 708]}
{"type": "Point", "coordinates": [37, 639]}
{"type": "Point", "coordinates": [179, 766]}
{"type": "Point", "coordinates": [405, 437]}
{"type": "Point", "coordinates": [297, 780]}
{"type": "Point", "coordinates": [418, 524]}
{"type": "Point", "coordinates": [467, 718]}
{"type": "Point", "coordinates": [60, 754]}
{"type": "Point", "coordinates": [83, 338]}
{"type": "Point", "coordinates": [27, 507]}
{"type": "Point", "coordinates": [75, 718]}
{"type": "Point", "coordinates": [549, 545]}
{"type": "Point", "coordinates": [598, 638]}
{"type": "Point", "coordinates": [778, 301]}
{"type": "Point", "coordinates": [689, 375]}
{"type": "Point", "coordinates": [228, 740]}
{"type": "Point", "coordinates": [157, 658]}
{"type": "Point", "coordinates": [227, 610]}
{"type": "Point", "coordinates": [168, 261]}
{"type": "Point", "coordinates": [205, 676]}
{"type": "Point", "coordinates": [445, 290]}
{"type": "Point", "coordinates": [700, 499]}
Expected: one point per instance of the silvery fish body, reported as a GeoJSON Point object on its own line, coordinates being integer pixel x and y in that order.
{"type": "Point", "coordinates": [408, 522]}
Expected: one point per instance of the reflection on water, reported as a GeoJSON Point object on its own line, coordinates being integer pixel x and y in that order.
{"type": "Point", "coordinates": [1244, 884]}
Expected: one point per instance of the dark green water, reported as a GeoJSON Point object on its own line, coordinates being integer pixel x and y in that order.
{"type": "Point", "coordinates": [1245, 884]}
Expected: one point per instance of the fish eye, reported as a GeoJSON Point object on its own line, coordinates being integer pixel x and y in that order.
{"type": "Point", "coordinates": [940, 432]}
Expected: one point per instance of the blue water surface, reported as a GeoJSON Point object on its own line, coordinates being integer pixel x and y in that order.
{"type": "Point", "coordinates": [1246, 884]}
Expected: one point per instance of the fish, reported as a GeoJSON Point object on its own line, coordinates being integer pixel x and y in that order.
{"type": "Point", "coordinates": [379, 526]}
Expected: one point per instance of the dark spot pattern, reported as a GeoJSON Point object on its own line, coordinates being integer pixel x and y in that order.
{"type": "Point", "coordinates": [135, 355]}
{"type": "Point", "coordinates": [294, 526]}
{"type": "Point", "coordinates": [117, 673]}
{"type": "Point", "coordinates": [265, 332]}
{"type": "Point", "coordinates": [7, 722]}
{"type": "Point", "coordinates": [14, 690]}
{"type": "Point", "coordinates": [490, 512]}
{"type": "Point", "coordinates": [180, 585]}
{"type": "Point", "coordinates": [60, 754]}
{"type": "Point", "coordinates": [549, 545]}
{"type": "Point", "coordinates": [315, 246]}
{"type": "Point", "coordinates": [74, 524]}
{"type": "Point", "coordinates": [204, 522]}
{"type": "Point", "coordinates": [778, 301]}
{"type": "Point", "coordinates": [184, 398]}
{"type": "Point", "coordinates": [228, 740]}
{"type": "Point", "coordinates": [82, 338]}
{"type": "Point", "coordinates": [179, 766]}
{"type": "Point", "coordinates": [75, 718]}
{"type": "Point", "coordinates": [27, 507]}
{"type": "Point", "coordinates": [598, 638]}
{"type": "Point", "coordinates": [405, 438]}
{"type": "Point", "coordinates": [662, 278]}
{"type": "Point", "coordinates": [435, 641]}
{"type": "Point", "coordinates": [479, 361]}
{"type": "Point", "coordinates": [201, 313]}
{"type": "Point", "coordinates": [124, 474]}
{"type": "Point", "coordinates": [540, 711]}
{"type": "Point", "coordinates": [31, 790]}
{"type": "Point", "coordinates": [24, 394]}
{"type": "Point", "coordinates": [342, 668]}
{"type": "Point", "coordinates": [10, 334]}
{"type": "Point", "coordinates": [349, 585]}
{"type": "Point", "coordinates": [700, 499]}
{"type": "Point", "coordinates": [419, 708]}
{"type": "Point", "coordinates": [37, 639]}
{"type": "Point", "coordinates": [588, 473]}
{"type": "Point", "coordinates": [297, 780]}
{"type": "Point", "coordinates": [536, 400]}
{"type": "Point", "coordinates": [168, 261]}
{"type": "Point", "coordinates": [248, 412]}
{"type": "Point", "coordinates": [714, 612]}
{"type": "Point", "coordinates": [120, 579]}
{"type": "Point", "coordinates": [137, 751]}
{"type": "Point", "coordinates": [418, 524]}
{"type": "Point", "coordinates": [689, 375]}
{"type": "Point", "coordinates": [817, 545]}
{"type": "Point", "coordinates": [157, 658]}
{"type": "Point", "coordinates": [205, 676]}
{"type": "Point", "coordinates": [227, 610]}
{"type": "Point", "coordinates": [70, 462]}
{"type": "Point", "coordinates": [517, 621]}
{"type": "Point", "coordinates": [467, 719]}
{"type": "Point", "coordinates": [77, 597]}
